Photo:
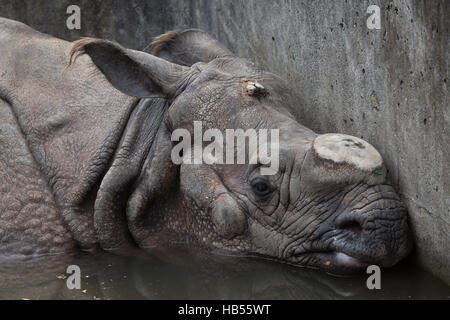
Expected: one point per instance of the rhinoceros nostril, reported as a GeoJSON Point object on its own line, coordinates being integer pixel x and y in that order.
{"type": "Point", "coordinates": [351, 226]}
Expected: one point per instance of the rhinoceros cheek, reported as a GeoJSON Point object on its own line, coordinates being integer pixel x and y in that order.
{"type": "Point", "coordinates": [228, 217]}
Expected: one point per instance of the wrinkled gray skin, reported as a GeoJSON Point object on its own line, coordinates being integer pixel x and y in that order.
{"type": "Point", "coordinates": [85, 159]}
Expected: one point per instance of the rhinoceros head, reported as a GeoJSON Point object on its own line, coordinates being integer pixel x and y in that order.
{"type": "Point", "coordinates": [326, 204]}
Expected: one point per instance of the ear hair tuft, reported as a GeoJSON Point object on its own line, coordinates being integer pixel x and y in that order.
{"type": "Point", "coordinates": [78, 49]}
{"type": "Point", "coordinates": [160, 42]}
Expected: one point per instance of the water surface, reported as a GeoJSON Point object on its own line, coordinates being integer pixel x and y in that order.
{"type": "Point", "coordinates": [179, 276]}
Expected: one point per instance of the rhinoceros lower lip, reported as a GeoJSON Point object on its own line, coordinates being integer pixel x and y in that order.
{"type": "Point", "coordinates": [332, 261]}
{"type": "Point", "coordinates": [343, 259]}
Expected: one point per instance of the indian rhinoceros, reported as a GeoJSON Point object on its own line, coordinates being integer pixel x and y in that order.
{"type": "Point", "coordinates": [85, 158]}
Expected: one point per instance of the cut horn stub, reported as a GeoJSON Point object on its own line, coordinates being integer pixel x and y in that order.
{"type": "Point", "coordinates": [346, 149]}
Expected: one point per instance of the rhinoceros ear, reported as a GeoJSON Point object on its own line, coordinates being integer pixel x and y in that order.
{"type": "Point", "coordinates": [133, 72]}
{"type": "Point", "coordinates": [188, 47]}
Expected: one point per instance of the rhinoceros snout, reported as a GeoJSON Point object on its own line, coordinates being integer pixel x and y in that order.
{"type": "Point", "coordinates": [375, 232]}
{"type": "Point", "coordinates": [369, 228]}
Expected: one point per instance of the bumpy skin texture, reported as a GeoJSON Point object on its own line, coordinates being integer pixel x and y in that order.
{"type": "Point", "coordinates": [102, 159]}
{"type": "Point", "coordinates": [29, 219]}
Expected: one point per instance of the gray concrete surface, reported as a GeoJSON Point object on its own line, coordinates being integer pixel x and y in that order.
{"type": "Point", "coordinates": [387, 86]}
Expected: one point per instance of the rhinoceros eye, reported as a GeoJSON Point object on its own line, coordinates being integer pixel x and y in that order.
{"type": "Point", "coordinates": [261, 187]}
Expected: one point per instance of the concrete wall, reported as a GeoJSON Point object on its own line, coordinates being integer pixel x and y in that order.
{"type": "Point", "coordinates": [388, 86]}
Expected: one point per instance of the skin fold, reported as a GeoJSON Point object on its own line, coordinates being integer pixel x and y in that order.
{"type": "Point", "coordinates": [94, 139]}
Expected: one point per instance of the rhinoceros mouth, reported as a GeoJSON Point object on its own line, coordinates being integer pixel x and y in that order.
{"type": "Point", "coordinates": [333, 262]}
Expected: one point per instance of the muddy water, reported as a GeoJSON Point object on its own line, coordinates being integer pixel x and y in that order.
{"type": "Point", "coordinates": [179, 276]}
